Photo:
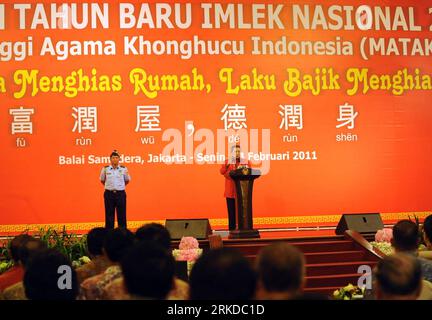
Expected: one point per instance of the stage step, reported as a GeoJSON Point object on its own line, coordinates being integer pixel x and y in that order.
{"type": "Point", "coordinates": [268, 240]}
{"type": "Point", "coordinates": [325, 246]}
{"type": "Point", "coordinates": [331, 262]}
{"type": "Point", "coordinates": [328, 291]}
{"type": "Point", "coordinates": [336, 256]}
{"type": "Point", "coordinates": [305, 247]}
{"type": "Point", "coordinates": [334, 280]}
{"type": "Point", "coordinates": [336, 268]}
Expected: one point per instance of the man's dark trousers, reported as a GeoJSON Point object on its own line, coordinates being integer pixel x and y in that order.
{"type": "Point", "coordinates": [115, 200]}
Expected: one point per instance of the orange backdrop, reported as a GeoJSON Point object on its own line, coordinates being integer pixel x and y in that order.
{"type": "Point", "coordinates": [387, 170]}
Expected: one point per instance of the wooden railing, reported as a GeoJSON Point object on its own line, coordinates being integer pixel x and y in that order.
{"type": "Point", "coordinates": [362, 242]}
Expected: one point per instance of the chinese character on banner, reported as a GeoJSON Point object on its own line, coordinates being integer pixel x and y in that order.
{"type": "Point", "coordinates": [292, 116]}
{"type": "Point", "coordinates": [147, 118]}
{"type": "Point", "coordinates": [347, 116]}
{"type": "Point", "coordinates": [85, 119]}
{"type": "Point", "coordinates": [234, 117]}
{"type": "Point", "coordinates": [21, 122]}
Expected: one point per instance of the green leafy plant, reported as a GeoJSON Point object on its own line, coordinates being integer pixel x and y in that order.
{"type": "Point", "coordinates": [4, 251]}
{"type": "Point", "coordinates": [6, 261]}
{"type": "Point", "coordinates": [5, 265]}
{"type": "Point", "coordinates": [420, 228]}
{"type": "Point", "coordinates": [70, 244]}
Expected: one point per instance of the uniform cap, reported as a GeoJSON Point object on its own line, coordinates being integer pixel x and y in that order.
{"type": "Point", "coordinates": [114, 154]}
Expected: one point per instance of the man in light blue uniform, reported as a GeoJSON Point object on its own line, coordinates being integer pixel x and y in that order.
{"type": "Point", "coordinates": [115, 178]}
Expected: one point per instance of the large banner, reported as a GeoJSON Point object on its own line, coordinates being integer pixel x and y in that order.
{"type": "Point", "coordinates": [331, 100]}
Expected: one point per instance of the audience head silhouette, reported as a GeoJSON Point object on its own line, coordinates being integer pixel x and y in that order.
{"type": "Point", "coordinates": [148, 270]}
{"type": "Point", "coordinates": [405, 236]}
{"type": "Point", "coordinates": [223, 274]}
{"type": "Point", "coordinates": [43, 278]}
{"type": "Point", "coordinates": [427, 231]}
{"type": "Point", "coordinates": [117, 242]}
{"type": "Point", "coordinates": [398, 277]}
{"type": "Point", "coordinates": [95, 241]}
{"type": "Point", "coordinates": [281, 272]}
{"type": "Point", "coordinates": [154, 232]}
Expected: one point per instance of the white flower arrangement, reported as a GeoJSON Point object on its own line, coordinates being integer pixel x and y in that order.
{"type": "Point", "coordinates": [349, 292]}
{"type": "Point", "coordinates": [188, 251]}
{"type": "Point", "coordinates": [384, 247]}
{"type": "Point", "coordinates": [80, 262]}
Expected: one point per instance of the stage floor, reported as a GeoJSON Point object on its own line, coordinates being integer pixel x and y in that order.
{"type": "Point", "coordinates": [286, 233]}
